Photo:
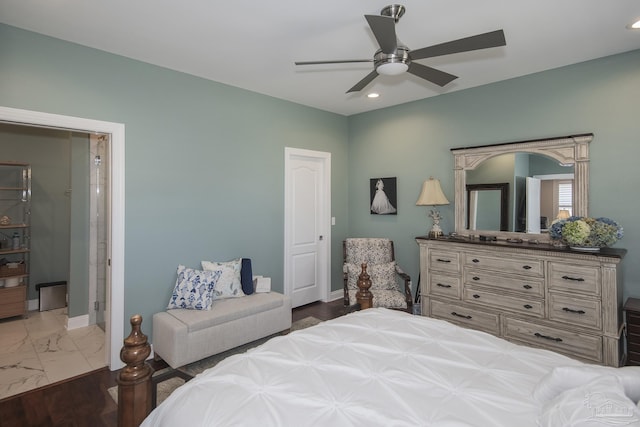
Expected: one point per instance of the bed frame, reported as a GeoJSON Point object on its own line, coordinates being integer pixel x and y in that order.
{"type": "Point", "coordinates": [135, 383]}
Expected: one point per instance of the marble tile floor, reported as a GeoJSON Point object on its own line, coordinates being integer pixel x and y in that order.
{"type": "Point", "coordinates": [38, 350]}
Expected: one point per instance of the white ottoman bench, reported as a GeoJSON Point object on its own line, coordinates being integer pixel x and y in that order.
{"type": "Point", "coordinates": [183, 336]}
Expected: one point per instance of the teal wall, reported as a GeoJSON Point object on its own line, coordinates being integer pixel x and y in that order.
{"type": "Point", "coordinates": [205, 161]}
{"type": "Point", "coordinates": [412, 141]}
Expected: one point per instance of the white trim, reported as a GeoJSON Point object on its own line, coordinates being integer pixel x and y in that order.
{"type": "Point", "coordinates": [289, 153]}
{"type": "Point", "coordinates": [336, 295]}
{"type": "Point", "coordinates": [554, 176]}
{"type": "Point", "coordinates": [77, 322]}
{"type": "Point", "coordinates": [115, 290]}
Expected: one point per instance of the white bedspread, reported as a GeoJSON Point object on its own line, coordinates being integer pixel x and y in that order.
{"type": "Point", "coordinates": [376, 367]}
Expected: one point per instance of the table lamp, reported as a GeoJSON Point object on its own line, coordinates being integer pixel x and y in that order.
{"type": "Point", "coordinates": [432, 195]}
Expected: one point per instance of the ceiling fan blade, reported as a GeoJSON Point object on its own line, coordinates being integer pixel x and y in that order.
{"type": "Point", "coordinates": [384, 29]}
{"type": "Point", "coordinates": [431, 74]}
{"type": "Point", "coordinates": [480, 41]}
{"type": "Point", "coordinates": [339, 61]}
{"type": "Point", "coordinates": [364, 82]}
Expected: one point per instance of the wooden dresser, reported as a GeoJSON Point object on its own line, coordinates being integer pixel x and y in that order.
{"type": "Point", "coordinates": [538, 295]}
{"type": "Point", "coordinates": [632, 312]}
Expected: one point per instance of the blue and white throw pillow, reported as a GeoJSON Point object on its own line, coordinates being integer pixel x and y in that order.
{"type": "Point", "coordinates": [229, 285]}
{"type": "Point", "coordinates": [194, 289]}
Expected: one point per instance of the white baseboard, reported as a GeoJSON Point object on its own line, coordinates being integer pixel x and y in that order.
{"type": "Point", "coordinates": [77, 322]}
{"type": "Point", "coordinates": [336, 295]}
{"type": "Point", "coordinates": [72, 322]}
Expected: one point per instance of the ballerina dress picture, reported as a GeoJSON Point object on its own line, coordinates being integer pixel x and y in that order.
{"type": "Point", "coordinates": [383, 201]}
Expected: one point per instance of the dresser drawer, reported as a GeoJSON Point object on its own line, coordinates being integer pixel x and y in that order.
{"type": "Point", "coordinates": [528, 267]}
{"type": "Point", "coordinates": [574, 278]}
{"type": "Point", "coordinates": [444, 261]}
{"type": "Point", "coordinates": [633, 323]}
{"type": "Point", "coordinates": [575, 311]}
{"type": "Point", "coordinates": [468, 317]}
{"type": "Point", "coordinates": [13, 295]}
{"type": "Point", "coordinates": [633, 359]}
{"type": "Point", "coordinates": [443, 285]}
{"type": "Point", "coordinates": [633, 343]}
{"type": "Point", "coordinates": [529, 306]}
{"type": "Point", "coordinates": [529, 286]}
{"type": "Point", "coordinates": [570, 343]}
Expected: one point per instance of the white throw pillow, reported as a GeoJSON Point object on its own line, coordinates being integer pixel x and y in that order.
{"type": "Point", "coordinates": [229, 285]}
{"type": "Point", "coordinates": [600, 402]}
{"type": "Point", "coordinates": [567, 377]}
{"type": "Point", "coordinates": [193, 289]}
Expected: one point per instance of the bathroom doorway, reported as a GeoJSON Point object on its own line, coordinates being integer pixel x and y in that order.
{"type": "Point", "coordinates": [114, 313]}
{"type": "Point", "coordinates": [68, 211]}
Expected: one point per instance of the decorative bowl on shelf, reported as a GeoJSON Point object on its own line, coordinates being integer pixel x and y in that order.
{"type": "Point", "coordinates": [586, 234]}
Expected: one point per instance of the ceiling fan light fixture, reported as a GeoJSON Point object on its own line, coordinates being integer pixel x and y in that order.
{"type": "Point", "coordinates": [392, 64]}
{"type": "Point", "coordinates": [392, 68]}
{"type": "Point", "coordinates": [634, 26]}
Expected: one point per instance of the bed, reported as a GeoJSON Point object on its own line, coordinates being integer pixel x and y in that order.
{"type": "Point", "coordinates": [381, 367]}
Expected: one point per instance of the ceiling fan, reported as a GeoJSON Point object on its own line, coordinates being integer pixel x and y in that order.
{"type": "Point", "coordinates": [393, 58]}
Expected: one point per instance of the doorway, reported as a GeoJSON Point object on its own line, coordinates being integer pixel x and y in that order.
{"type": "Point", "coordinates": [307, 226]}
{"type": "Point", "coordinates": [114, 313]}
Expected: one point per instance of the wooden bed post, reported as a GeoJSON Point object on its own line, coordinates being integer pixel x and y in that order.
{"type": "Point", "coordinates": [134, 380]}
{"type": "Point", "coordinates": [364, 297]}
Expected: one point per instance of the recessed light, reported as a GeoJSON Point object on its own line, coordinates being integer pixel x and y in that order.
{"type": "Point", "coordinates": [373, 95]}
{"type": "Point", "coordinates": [634, 26]}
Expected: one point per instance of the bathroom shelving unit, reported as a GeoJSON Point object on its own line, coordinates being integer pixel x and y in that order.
{"type": "Point", "coordinates": [15, 237]}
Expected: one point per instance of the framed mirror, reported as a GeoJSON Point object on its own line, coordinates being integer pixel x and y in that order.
{"type": "Point", "coordinates": [562, 161]}
{"type": "Point", "coordinates": [488, 206]}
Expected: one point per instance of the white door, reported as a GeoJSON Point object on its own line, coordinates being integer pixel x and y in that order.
{"type": "Point", "coordinates": [533, 205]}
{"type": "Point", "coordinates": [307, 225]}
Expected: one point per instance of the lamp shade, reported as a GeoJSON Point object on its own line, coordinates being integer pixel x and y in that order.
{"type": "Point", "coordinates": [563, 214]}
{"type": "Point", "coordinates": [431, 194]}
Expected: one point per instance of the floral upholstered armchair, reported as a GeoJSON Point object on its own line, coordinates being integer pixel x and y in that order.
{"type": "Point", "coordinates": [382, 269]}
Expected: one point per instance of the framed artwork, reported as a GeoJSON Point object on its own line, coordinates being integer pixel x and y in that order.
{"type": "Point", "coordinates": [383, 196]}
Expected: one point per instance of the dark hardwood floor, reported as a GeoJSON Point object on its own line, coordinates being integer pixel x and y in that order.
{"type": "Point", "coordinates": [85, 401]}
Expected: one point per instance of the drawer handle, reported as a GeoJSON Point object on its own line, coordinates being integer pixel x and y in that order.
{"type": "Point", "coordinates": [476, 296]}
{"type": "Point", "coordinates": [476, 260]}
{"type": "Point", "coordinates": [569, 310]}
{"type": "Point", "coordinates": [575, 279]}
{"type": "Point", "coordinates": [527, 267]}
{"type": "Point", "coordinates": [453, 313]}
{"type": "Point", "coordinates": [527, 286]}
{"type": "Point", "coordinates": [443, 286]}
{"type": "Point", "coordinates": [443, 260]}
{"type": "Point", "coordinates": [527, 306]}
{"type": "Point", "coordinates": [546, 337]}
{"type": "Point", "coordinates": [476, 278]}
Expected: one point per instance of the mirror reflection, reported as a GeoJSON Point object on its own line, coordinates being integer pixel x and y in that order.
{"type": "Point", "coordinates": [491, 201]}
{"type": "Point", "coordinates": [537, 188]}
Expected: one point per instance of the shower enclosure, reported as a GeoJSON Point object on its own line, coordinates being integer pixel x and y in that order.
{"type": "Point", "coordinates": [98, 228]}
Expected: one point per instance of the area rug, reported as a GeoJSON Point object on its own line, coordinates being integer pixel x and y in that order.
{"type": "Point", "coordinates": [165, 388]}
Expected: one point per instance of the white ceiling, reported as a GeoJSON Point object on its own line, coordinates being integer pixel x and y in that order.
{"type": "Point", "coordinates": [252, 44]}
